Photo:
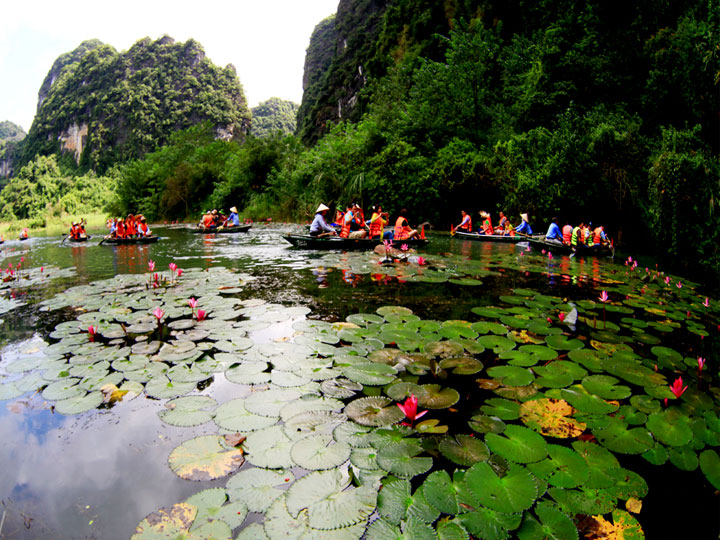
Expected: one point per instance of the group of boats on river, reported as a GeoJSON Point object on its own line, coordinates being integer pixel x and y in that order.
{"type": "Point", "coordinates": [350, 230]}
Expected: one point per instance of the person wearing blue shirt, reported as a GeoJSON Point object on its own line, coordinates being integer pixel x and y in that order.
{"type": "Point", "coordinates": [524, 227]}
{"type": "Point", "coordinates": [319, 226]}
{"type": "Point", "coordinates": [232, 220]}
{"type": "Point", "coordinates": [554, 234]}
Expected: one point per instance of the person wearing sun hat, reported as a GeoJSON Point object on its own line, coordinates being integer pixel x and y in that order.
{"type": "Point", "coordinates": [524, 227]}
{"type": "Point", "coordinates": [319, 226]}
{"type": "Point", "coordinates": [232, 220]}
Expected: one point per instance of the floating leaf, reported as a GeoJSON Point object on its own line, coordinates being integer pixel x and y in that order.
{"type": "Point", "coordinates": [562, 468]}
{"type": "Point", "coordinates": [435, 396]}
{"type": "Point", "coordinates": [710, 466]}
{"type": "Point", "coordinates": [400, 459]}
{"type": "Point", "coordinates": [552, 525]}
{"type": "Point", "coordinates": [188, 411]}
{"type": "Point", "coordinates": [166, 523]}
{"type": "Point", "coordinates": [463, 449]}
{"type": "Point", "coordinates": [371, 374]}
{"type": "Point", "coordinates": [374, 411]}
{"type": "Point", "coordinates": [512, 375]}
{"type": "Point", "coordinates": [258, 488]}
{"type": "Point", "coordinates": [616, 437]}
{"type": "Point", "coordinates": [518, 444]}
{"type": "Point", "coordinates": [623, 527]}
{"type": "Point", "coordinates": [319, 452]}
{"type": "Point", "coordinates": [79, 404]}
{"type": "Point", "coordinates": [551, 417]}
{"type": "Point", "coordinates": [211, 507]}
{"type": "Point", "coordinates": [205, 458]}
{"type": "Point", "coordinates": [670, 427]}
{"type": "Point", "coordinates": [513, 492]}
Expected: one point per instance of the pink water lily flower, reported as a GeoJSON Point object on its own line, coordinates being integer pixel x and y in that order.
{"type": "Point", "coordinates": [201, 314]}
{"type": "Point", "coordinates": [667, 280]}
{"type": "Point", "coordinates": [92, 330]}
{"type": "Point", "coordinates": [42, 269]}
{"type": "Point", "coordinates": [678, 285]}
{"type": "Point", "coordinates": [410, 408]}
{"type": "Point", "coordinates": [706, 303]}
{"type": "Point", "coordinates": [543, 252]}
{"type": "Point", "coordinates": [421, 261]}
{"type": "Point", "coordinates": [151, 266]}
{"type": "Point", "coordinates": [549, 255]}
{"type": "Point", "coordinates": [561, 316]}
{"type": "Point", "coordinates": [192, 303]}
{"type": "Point", "coordinates": [404, 247]}
{"type": "Point", "coordinates": [527, 248]}
{"type": "Point", "coordinates": [179, 272]}
{"type": "Point", "coordinates": [159, 313]}
{"type": "Point", "coordinates": [172, 266]}
{"type": "Point", "coordinates": [677, 387]}
{"type": "Point", "coordinates": [604, 296]}
{"type": "Point", "coordinates": [701, 363]}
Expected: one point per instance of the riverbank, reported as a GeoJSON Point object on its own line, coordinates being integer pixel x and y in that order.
{"type": "Point", "coordinates": [52, 225]}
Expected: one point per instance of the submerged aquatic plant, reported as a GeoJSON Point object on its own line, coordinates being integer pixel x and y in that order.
{"type": "Point", "coordinates": [409, 408]}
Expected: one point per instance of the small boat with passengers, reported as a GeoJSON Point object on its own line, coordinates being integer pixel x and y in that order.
{"type": "Point", "coordinates": [221, 230]}
{"type": "Point", "coordinates": [501, 238]}
{"type": "Point", "coordinates": [564, 249]}
{"type": "Point", "coordinates": [305, 241]}
{"type": "Point", "coordinates": [115, 241]}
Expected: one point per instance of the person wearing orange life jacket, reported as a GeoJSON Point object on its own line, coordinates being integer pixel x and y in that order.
{"type": "Point", "coordinates": [486, 227]}
{"type": "Point", "coordinates": [567, 234]}
{"type": "Point", "coordinates": [207, 221]}
{"type": "Point", "coordinates": [353, 226]}
{"type": "Point", "coordinates": [120, 230]}
{"type": "Point", "coordinates": [402, 228]}
{"type": "Point", "coordinates": [143, 228]}
{"type": "Point", "coordinates": [466, 223]}
{"type": "Point", "coordinates": [501, 224]}
{"type": "Point", "coordinates": [599, 236]}
{"type": "Point", "coordinates": [74, 231]}
{"type": "Point", "coordinates": [130, 228]}
{"type": "Point", "coordinates": [377, 222]}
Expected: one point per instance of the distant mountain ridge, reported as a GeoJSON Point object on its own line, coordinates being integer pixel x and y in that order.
{"type": "Point", "coordinates": [274, 116]}
{"type": "Point", "coordinates": [98, 107]}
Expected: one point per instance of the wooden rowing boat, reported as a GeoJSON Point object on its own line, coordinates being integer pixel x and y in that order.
{"type": "Point", "coordinates": [503, 239]}
{"type": "Point", "coordinates": [82, 238]}
{"type": "Point", "coordinates": [125, 241]}
{"type": "Point", "coordinates": [564, 249]}
{"type": "Point", "coordinates": [221, 230]}
{"type": "Point", "coordinates": [306, 241]}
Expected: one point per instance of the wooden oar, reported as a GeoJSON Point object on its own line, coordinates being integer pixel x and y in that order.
{"type": "Point", "coordinates": [104, 238]}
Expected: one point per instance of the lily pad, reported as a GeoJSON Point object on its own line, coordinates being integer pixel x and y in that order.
{"type": "Point", "coordinates": [258, 488]}
{"type": "Point", "coordinates": [512, 492]}
{"type": "Point", "coordinates": [374, 411]}
{"type": "Point", "coordinates": [435, 396]}
{"type": "Point", "coordinates": [518, 444]}
{"type": "Point", "coordinates": [319, 452]}
{"type": "Point", "coordinates": [401, 459]}
{"type": "Point", "coordinates": [551, 417]}
{"type": "Point", "coordinates": [205, 458]}
{"type": "Point", "coordinates": [463, 449]}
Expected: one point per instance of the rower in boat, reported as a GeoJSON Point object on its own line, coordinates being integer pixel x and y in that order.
{"type": "Point", "coordinates": [554, 234]}
{"type": "Point", "coordinates": [466, 223]}
{"type": "Point", "coordinates": [232, 220]}
{"type": "Point", "coordinates": [319, 227]}
{"type": "Point", "coordinates": [524, 227]}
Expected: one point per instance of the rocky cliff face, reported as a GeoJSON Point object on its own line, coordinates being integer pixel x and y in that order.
{"type": "Point", "coordinates": [336, 65]}
{"type": "Point", "coordinates": [98, 107]}
{"type": "Point", "coordinates": [11, 137]}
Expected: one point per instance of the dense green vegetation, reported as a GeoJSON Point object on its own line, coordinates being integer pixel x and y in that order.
{"type": "Point", "coordinates": [11, 136]}
{"type": "Point", "coordinates": [131, 102]}
{"type": "Point", "coordinates": [272, 116]}
{"type": "Point", "coordinates": [40, 189]}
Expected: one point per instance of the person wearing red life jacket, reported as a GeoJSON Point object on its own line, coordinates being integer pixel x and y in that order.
{"type": "Point", "coordinates": [403, 231]}
{"type": "Point", "coordinates": [567, 234]}
{"type": "Point", "coordinates": [466, 223]}
{"type": "Point", "coordinates": [378, 220]}
{"type": "Point", "coordinates": [486, 227]}
{"type": "Point", "coordinates": [143, 228]}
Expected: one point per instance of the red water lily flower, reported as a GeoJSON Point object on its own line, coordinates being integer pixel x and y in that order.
{"type": "Point", "coordinates": [159, 313]}
{"type": "Point", "coordinates": [561, 316]}
{"type": "Point", "coordinates": [604, 296]}
{"type": "Point", "coordinates": [151, 266]}
{"type": "Point", "coordinates": [701, 363]}
{"type": "Point", "coordinates": [677, 387]}
{"type": "Point", "coordinates": [706, 303]}
{"type": "Point", "coordinates": [92, 330]}
{"type": "Point", "coordinates": [201, 314]}
{"type": "Point", "coordinates": [410, 408]}
{"type": "Point", "coordinates": [421, 261]}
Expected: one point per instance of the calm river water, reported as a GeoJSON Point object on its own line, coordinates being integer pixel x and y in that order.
{"type": "Point", "coordinates": [98, 474]}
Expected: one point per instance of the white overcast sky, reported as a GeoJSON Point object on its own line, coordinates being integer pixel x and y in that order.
{"type": "Point", "coordinates": [265, 40]}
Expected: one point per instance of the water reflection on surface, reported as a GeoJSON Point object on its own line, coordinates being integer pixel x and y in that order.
{"type": "Point", "coordinates": [96, 475]}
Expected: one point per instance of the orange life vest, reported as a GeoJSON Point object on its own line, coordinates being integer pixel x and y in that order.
{"type": "Point", "coordinates": [597, 236]}
{"type": "Point", "coordinates": [401, 231]}
{"type": "Point", "coordinates": [120, 230]}
{"type": "Point", "coordinates": [208, 220]}
{"type": "Point", "coordinates": [567, 234]}
{"type": "Point", "coordinates": [345, 230]}
{"type": "Point", "coordinates": [467, 226]}
{"type": "Point", "coordinates": [376, 225]}
{"type": "Point", "coordinates": [487, 226]}
{"type": "Point", "coordinates": [143, 228]}
{"type": "Point", "coordinates": [130, 229]}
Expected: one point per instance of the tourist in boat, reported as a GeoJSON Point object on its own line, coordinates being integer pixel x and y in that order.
{"type": "Point", "coordinates": [75, 231]}
{"type": "Point", "coordinates": [524, 227]}
{"type": "Point", "coordinates": [599, 237]}
{"type": "Point", "coordinates": [24, 234]}
{"type": "Point", "coordinates": [466, 223]}
{"type": "Point", "coordinates": [577, 235]}
{"type": "Point", "coordinates": [143, 228]}
{"type": "Point", "coordinates": [319, 226]}
{"type": "Point", "coordinates": [554, 234]}
{"type": "Point", "coordinates": [567, 234]}
{"type": "Point", "coordinates": [130, 227]}
{"type": "Point", "coordinates": [378, 220]}
{"type": "Point", "coordinates": [403, 231]}
{"type": "Point", "coordinates": [218, 218]}
{"type": "Point", "coordinates": [233, 220]}
{"type": "Point", "coordinates": [353, 226]}
{"type": "Point", "coordinates": [207, 221]}
{"type": "Point", "coordinates": [486, 227]}
{"type": "Point", "coordinates": [588, 240]}
{"type": "Point", "coordinates": [502, 224]}
{"type": "Point", "coordinates": [120, 230]}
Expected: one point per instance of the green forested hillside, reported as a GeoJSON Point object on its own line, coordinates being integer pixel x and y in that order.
{"type": "Point", "coordinates": [11, 136]}
{"type": "Point", "coordinates": [98, 107]}
{"type": "Point", "coordinates": [581, 110]}
{"type": "Point", "coordinates": [272, 116]}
